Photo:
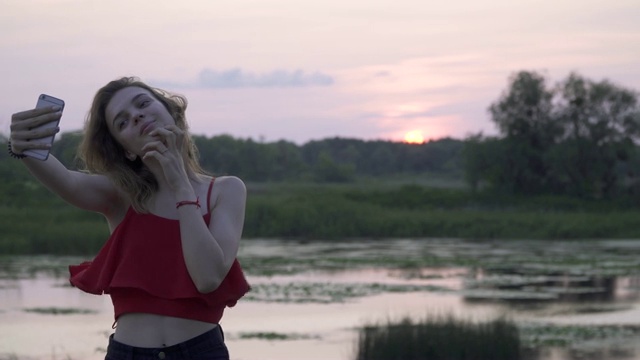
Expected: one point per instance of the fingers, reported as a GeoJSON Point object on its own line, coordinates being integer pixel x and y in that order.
{"type": "Point", "coordinates": [153, 154]}
{"type": "Point", "coordinates": [30, 140]}
{"type": "Point", "coordinates": [30, 125]}
{"type": "Point", "coordinates": [155, 146]}
{"type": "Point", "coordinates": [28, 120]}
{"type": "Point", "coordinates": [170, 139]}
{"type": "Point", "coordinates": [33, 133]}
{"type": "Point", "coordinates": [19, 146]}
{"type": "Point", "coordinates": [172, 136]}
{"type": "Point", "coordinates": [168, 130]}
{"type": "Point", "coordinates": [35, 112]}
{"type": "Point", "coordinates": [36, 117]}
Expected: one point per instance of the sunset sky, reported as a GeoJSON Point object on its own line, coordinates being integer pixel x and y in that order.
{"type": "Point", "coordinates": [301, 70]}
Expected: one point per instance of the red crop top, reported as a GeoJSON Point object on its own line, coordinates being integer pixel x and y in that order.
{"type": "Point", "coordinates": [142, 267]}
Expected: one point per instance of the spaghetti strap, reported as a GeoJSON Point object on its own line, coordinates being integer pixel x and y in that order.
{"type": "Point", "coordinates": [209, 194]}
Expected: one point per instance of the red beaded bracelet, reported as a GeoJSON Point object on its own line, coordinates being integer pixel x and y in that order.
{"type": "Point", "coordinates": [189, 202]}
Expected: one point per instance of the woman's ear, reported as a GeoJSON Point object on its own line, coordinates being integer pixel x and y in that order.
{"type": "Point", "coordinates": [131, 156]}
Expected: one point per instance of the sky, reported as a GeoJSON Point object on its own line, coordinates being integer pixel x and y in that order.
{"type": "Point", "coordinates": [302, 70]}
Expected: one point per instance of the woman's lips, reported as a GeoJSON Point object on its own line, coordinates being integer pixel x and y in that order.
{"type": "Point", "coordinates": [146, 127]}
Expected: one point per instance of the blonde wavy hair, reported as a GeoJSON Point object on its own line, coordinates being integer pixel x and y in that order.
{"type": "Point", "coordinates": [100, 153]}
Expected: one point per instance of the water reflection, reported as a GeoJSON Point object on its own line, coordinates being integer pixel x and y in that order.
{"type": "Point", "coordinates": [515, 286]}
{"type": "Point", "coordinates": [325, 291]}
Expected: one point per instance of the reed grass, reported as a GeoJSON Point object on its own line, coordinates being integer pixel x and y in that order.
{"type": "Point", "coordinates": [439, 338]}
{"type": "Point", "coordinates": [44, 224]}
{"type": "Point", "coordinates": [415, 212]}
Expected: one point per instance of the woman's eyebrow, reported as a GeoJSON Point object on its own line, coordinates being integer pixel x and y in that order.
{"type": "Point", "coordinates": [133, 100]}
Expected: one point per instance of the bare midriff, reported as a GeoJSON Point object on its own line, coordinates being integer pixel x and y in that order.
{"type": "Point", "coordinates": [155, 331]}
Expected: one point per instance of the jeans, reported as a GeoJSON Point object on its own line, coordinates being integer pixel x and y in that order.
{"type": "Point", "coordinates": [208, 346]}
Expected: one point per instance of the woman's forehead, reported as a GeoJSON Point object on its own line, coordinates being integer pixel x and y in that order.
{"type": "Point", "coordinates": [122, 99]}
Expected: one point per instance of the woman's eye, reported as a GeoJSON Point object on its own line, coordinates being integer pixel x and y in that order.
{"type": "Point", "coordinates": [121, 124]}
{"type": "Point", "coordinates": [144, 103]}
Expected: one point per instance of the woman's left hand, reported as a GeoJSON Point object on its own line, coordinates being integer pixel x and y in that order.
{"type": "Point", "coordinates": [166, 151]}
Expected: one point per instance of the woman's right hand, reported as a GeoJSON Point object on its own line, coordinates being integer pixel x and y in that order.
{"type": "Point", "coordinates": [25, 127]}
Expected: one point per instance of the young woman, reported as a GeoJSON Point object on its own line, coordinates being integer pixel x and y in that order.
{"type": "Point", "coordinates": [170, 263]}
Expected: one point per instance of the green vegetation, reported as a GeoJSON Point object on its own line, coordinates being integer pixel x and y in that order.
{"type": "Point", "coordinates": [50, 229]}
{"type": "Point", "coordinates": [43, 224]}
{"type": "Point", "coordinates": [271, 336]}
{"type": "Point", "coordinates": [326, 292]}
{"type": "Point", "coordinates": [332, 212]}
{"type": "Point", "coordinates": [59, 311]}
{"type": "Point", "coordinates": [536, 335]}
{"type": "Point", "coordinates": [440, 338]}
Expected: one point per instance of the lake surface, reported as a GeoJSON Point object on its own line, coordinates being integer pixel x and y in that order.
{"type": "Point", "coordinates": [571, 300]}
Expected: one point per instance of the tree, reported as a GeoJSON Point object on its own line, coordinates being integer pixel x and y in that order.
{"type": "Point", "coordinates": [484, 159]}
{"type": "Point", "coordinates": [601, 123]}
{"type": "Point", "coordinates": [524, 117]}
{"type": "Point", "coordinates": [288, 162]}
{"type": "Point", "coordinates": [66, 149]}
{"type": "Point", "coordinates": [577, 138]}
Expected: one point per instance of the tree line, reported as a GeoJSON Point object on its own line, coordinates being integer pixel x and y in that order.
{"type": "Point", "coordinates": [577, 137]}
{"type": "Point", "coordinates": [328, 160]}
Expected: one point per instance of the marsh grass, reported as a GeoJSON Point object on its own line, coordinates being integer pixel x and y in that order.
{"type": "Point", "coordinates": [535, 335]}
{"type": "Point", "coordinates": [59, 311]}
{"type": "Point", "coordinates": [25, 267]}
{"type": "Point", "coordinates": [50, 229]}
{"type": "Point", "coordinates": [271, 336]}
{"type": "Point", "coordinates": [44, 224]}
{"type": "Point", "coordinates": [440, 338]}
{"type": "Point", "coordinates": [327, 293]}
{"type": "Point", "coordinates": [355, 211]}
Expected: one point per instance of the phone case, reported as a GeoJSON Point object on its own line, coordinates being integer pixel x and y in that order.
{"type": "Point", "coordinates": [45, 101]}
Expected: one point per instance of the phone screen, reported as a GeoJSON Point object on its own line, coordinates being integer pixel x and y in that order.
{"type": "Point", "coordinates": [45, 100]}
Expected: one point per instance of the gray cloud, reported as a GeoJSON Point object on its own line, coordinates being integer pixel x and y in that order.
{"type": "Point", "coordinates": [238, 78]}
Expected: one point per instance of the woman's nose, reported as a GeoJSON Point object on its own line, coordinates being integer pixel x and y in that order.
{"type": "Point", "coordinates": [137, 117]}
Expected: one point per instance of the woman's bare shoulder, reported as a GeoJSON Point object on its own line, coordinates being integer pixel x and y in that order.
{"type": "Point", "coordinates": [228, 189]}
{"type": "Point", "coordinates": [231, 183]}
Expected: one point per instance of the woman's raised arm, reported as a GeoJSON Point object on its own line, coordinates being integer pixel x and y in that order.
{"type": "Point", "coordinates": [90, 192]}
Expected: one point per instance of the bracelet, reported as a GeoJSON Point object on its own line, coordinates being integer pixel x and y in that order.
{"type": "Point", "coordinates": [188, 202]}
{"type": "Point", "coordinates": [14, 155]}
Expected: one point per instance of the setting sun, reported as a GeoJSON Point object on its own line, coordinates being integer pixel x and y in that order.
{"type": "Point", "coordinates": [414, 137]}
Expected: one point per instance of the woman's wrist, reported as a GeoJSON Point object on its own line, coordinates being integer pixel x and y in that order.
{"type": "Point", "coordinates": [195, 203]}
{"type": "Point", "coordinates": [185, 193]}
{"type": "Point", "coordinates": [14, 154]}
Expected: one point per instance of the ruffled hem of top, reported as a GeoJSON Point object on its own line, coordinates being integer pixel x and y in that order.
{"type": "Point", "coordinates": [94, 279]}
{"type": "Point", "coordinates": [84, 283]}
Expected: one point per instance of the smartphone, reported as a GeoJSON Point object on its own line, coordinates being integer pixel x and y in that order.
{"type": "Point", "coordinates": [45, 100]}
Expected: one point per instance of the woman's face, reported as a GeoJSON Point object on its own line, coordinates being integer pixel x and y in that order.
{"type": "Point", "coordinates": [131, 114]}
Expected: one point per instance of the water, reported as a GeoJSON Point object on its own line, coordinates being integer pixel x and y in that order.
{"type": "Point", "coordinates": [315, 295]}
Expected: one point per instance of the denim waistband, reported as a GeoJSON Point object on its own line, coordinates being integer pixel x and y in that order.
{"type": "Point", "coordinates": [211, 339]}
